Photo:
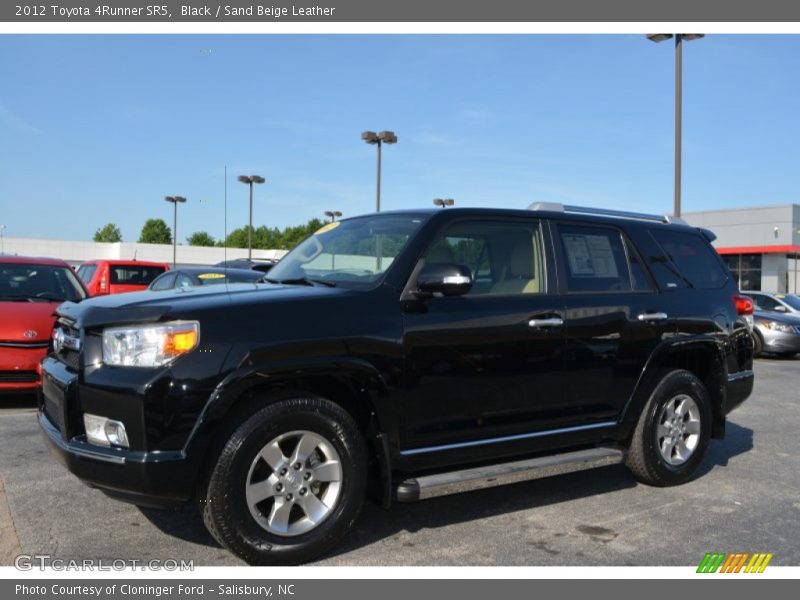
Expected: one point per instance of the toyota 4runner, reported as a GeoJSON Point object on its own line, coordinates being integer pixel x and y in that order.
{"type": "Point", "coordinates": [405, 355]}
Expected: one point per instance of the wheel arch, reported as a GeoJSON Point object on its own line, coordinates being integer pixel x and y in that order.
{"type": "Point", "coordinates": [351, 383]}
{"type": "Point", "coordinates": [702, 357]}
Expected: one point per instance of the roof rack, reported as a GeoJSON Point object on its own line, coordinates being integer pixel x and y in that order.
{"type": "Point", "coordinates": [588, 210]}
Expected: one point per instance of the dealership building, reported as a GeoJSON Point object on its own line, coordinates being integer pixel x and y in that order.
{"type": "Point", "coordinates": [761, 244]}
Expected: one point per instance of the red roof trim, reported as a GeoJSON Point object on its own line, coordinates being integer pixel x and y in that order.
{"type": "Point", "coordinates": [785, 249]}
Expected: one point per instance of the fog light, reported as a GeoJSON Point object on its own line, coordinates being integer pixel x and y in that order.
{"type": "Point", "coordinates": [105, 432]}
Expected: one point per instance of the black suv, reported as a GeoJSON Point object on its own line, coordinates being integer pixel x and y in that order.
{"type": "Point", "coordinates": [407, 355]}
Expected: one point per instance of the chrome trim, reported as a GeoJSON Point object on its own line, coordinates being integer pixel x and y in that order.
{"type": "Point", "coordinates": [656, 316]}
{"type": "Point", "coordinates": [507, 438]}
{"type": "Point", "coordinates": [551, 322]}
{"type": "Point", "coordinates": [456, 280]}
{"type": "Point", "coordinates": [746, 374]}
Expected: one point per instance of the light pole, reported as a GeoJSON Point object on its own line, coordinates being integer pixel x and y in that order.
{"type": "Point", "coordinates": [2, 241]}
{"type": "Point", "coordinates": [378, 139]}
{"type": "Point", "coordinates": [175, 200]}
{"type": "Point", "coordinates": [443, 202]}
{"type": "Point", "coordinates": [250, 181]}
{"type": "Point", "coordinates": [333, 214]}
{"type": "Point", "coordinates": [679, 39]}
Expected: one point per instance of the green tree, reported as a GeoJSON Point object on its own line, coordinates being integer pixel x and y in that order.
{"type": "Point", "coordinates": [200, 238]}
{"type": "Point", "coordinates": [155, 231]}
{"type": "Point", "coordinates": [108, 233]}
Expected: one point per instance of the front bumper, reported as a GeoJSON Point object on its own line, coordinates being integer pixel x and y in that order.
{"type": "Point", "coordinates": [19, 368]}
{"type": "Point", "coordinates": [779, 341]}
{"type": "Point", "coordinates": [155, 479]}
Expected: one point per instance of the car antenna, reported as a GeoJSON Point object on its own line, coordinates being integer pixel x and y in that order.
{"type": "Point", "coordinates": [225, 228]}
{"type": "Point", "coordinates": [135, 250]}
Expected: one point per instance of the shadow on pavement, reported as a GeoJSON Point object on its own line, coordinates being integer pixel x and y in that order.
{"type": "Point", "coordinates": [17, 401]}
{"type": "Point", "coordinates": [376, 523]}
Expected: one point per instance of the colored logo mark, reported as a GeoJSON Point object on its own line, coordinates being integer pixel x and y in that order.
{"type": "Point", "coordinates": [738, 562]}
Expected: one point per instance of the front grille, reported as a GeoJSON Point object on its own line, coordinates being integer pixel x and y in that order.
{"type": "Point", "coordinates": [18, 377]}
{"type": "Point", "coordinates": [54, 413]}
{"type": "Point", "coordinates": [68, 356]}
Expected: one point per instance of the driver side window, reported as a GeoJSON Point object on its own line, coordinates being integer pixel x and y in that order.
{"type": "Point", "coordinates": [503, 257]}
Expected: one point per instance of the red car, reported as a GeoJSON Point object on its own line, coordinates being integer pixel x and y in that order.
{"type": "Point", "coordinates": [30, 291]}
{"type": "Point", "coordinates": [118, 276]}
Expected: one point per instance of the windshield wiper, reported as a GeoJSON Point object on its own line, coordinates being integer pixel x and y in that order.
{"type": "Point", "coordinates": [301, 281]}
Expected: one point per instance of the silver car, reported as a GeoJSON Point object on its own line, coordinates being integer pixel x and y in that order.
{"type": "Point", "coordinates": [781, 303]}
{"type": "Point", "coordinates": [776, 333]}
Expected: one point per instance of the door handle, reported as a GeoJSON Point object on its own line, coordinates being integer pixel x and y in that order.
{"type": "Point", "coordinates": [550, 322]}
{"type": "Point", "coordinates": [654, 316]}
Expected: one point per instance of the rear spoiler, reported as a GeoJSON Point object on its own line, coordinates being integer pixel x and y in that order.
{"type": "Point", "coordinates": [707, 233]}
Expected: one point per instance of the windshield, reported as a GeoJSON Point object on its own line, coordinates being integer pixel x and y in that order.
{"type": "Point", "coordinates": [354, 252]}
{"type": "Point", "coordinates": [792, 300]}
{"type": "Point", "coordinates": [31, 283]}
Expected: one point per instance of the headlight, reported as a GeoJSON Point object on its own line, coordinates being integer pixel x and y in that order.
{"type": "Point", "coordinates": [775, 326]}
{"type": "Point", "coordinates": [149, 345]}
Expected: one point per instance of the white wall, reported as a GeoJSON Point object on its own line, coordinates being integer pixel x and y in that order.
{"type": "Point", "coordinates": [78, 252]}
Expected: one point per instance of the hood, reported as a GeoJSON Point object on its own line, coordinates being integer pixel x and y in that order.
{"type": "Point", "coordinates": [149, 306]}
{"type": "Point", "coordinates": [26, 322]}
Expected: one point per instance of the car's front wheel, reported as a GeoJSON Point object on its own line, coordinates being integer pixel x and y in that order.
{"type": "Point", "coordinates": [289, 483]}
{"type": "Point", "coordinates": [673, 431]}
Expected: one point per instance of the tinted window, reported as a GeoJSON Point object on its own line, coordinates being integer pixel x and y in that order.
{"type": "Point", "coordinates": [134, 274]}
{"type": "Point", "coordinates": [183, 281]}
{"type": "Point", "coordinates": [765, 302]}
{"type": "Point", "coordinates": [86, 272]}
{"type": "Point", "coordinates": [595, 259]}
{"type": "Point", "coordinates": [504, 257]}
{"type": "Point", "coordinates": [638, 271]}
{"type": "Point", "coordinates": [688, 260]}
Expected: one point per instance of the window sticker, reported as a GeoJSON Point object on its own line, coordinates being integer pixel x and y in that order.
{"type": "Point", "coordinates": [590, 255]}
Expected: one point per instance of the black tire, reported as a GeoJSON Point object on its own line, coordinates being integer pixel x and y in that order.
{"type": "Point", "coordinates": [645, 458]}
{"type": "Point", "coordinates": [758, 344]}
{"type": "Point", "coordinates": [226, 512]}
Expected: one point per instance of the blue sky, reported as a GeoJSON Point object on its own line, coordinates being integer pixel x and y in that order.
{"type": "Point", "coordinates": [100, 128]}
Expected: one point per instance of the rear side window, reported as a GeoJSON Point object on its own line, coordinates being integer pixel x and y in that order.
{"type": "Point", "coordinates": [134, 274]}
{"type": "Point", "coordinates": [86, 272]}
{"type": "Point", "coordinates": [687, 261]}
{"type": "Point", "coordinates": [595, 259]}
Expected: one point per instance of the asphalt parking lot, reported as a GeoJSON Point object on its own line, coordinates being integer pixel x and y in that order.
{"type": "Point", "coordinates": [746, 498]}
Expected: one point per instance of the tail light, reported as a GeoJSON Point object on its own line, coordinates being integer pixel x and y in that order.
{"type": "Point", "coordinates": [744, 304]}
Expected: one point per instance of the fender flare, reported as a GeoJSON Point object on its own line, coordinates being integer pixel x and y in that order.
{"type": "Point", "coordinates": [659, 358]}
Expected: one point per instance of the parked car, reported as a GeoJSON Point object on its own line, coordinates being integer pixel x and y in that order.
{"type": "Point", "coordinates": [196, 276]}
{"type": "Point", "coordinates": [30, 290]}
{"type": "Point", "coordinates": [412, 354]}
{"type": "Point", "coordinates": [257, 264]}
{"type": "Point", "coordinates": [103, 277]}
{"type": "Point", "coordinates": [780, 303]}
{"type": "Point", "coordinates": [776, 333]}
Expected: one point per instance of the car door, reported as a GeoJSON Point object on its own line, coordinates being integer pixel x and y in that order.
{"type": "Point", "coordinates": [614, 318]}
{"type": "Point", "coordinates": [485, 368]}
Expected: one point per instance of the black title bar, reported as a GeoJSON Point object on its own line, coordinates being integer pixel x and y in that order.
{"type": "Point", "coordinates": [468, 11]}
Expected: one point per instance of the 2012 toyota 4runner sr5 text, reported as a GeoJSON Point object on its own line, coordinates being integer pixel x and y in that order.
{"type": "Point", "coordinates": [407, 355]}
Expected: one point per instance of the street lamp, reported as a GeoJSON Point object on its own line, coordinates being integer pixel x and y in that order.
{"type": "Point", "coordinates": [378, 139]}
{"type": "Point", "coordinates": [443, 202]}
{"type": "Point", "coordinates": [333, 214]}
{"type": "Point", "coordinates": [175, 200]}
{"type": "Point", "coordinates": [679, 39]}
{"type": "Point", "coordinates": [250, 181]}
{"type": "Point", "coordinates": [2, 241]}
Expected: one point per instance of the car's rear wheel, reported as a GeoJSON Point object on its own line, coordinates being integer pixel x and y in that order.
{"type": "Point", "coordinates": [672, 434]}
{"type": "Point", "coordinates": [289, 483]}
{"type": "Point", "coordinates": [758, 344]}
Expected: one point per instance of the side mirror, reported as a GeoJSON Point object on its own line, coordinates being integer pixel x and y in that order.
{"type": "Point", "coordinates": [444, 279]}
{"type": "Point", "coordinates": [781, 308]}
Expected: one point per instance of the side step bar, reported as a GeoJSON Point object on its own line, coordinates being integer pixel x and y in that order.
{"type": "Point", "coordinates": [454, 482]}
